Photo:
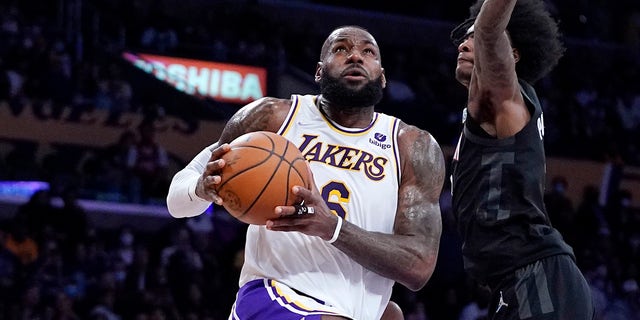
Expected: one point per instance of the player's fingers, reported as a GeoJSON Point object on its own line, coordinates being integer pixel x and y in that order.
{"type": "Point", "coordinates": [301, 191]}
{"type": "Point", "coordinates": [215, 163]}
{"type": "Point", "coordinates": [286, 211]}
{"type": "Point", "coordinates": [277, 225]}
{"type": "Point", "coordinates": [218, 151]}
{"type": "Point", "coordinates": [286, 223]}
{"type": "Point", "coordinates": [209, 183]}
{"type": "Point", "coordinates": [214, 166]}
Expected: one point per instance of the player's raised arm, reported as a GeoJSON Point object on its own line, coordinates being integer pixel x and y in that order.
{"type": "Point", "coordinates": [494, 98]}
{"type": "Point", "coordinates": [494, 56]}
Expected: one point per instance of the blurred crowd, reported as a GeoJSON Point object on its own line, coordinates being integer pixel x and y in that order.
{"type": "Point", "coordinates": [56, 265]}
{"type": "Point", "coordinates": [60, 59]}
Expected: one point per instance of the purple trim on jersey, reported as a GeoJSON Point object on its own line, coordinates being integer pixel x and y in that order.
{"type": "Point", "coordinates": [349, 130]}
{"type": "Point", "coordinates": [396, 152]}
{"type": "Point", "coordinates": [295, 104]}
{"type": "Point", "coordinates": [259, 299]}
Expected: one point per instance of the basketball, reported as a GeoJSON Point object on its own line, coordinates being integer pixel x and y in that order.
{"type": "Point", "coordinates": [261, 168]}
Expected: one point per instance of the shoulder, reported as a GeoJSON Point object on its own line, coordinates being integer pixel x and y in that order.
{"type": "Point", "coordinates": [264, 114]}
{"type": "Point", "coordinates": [421, 156]}
{"type": "Point", "coordinates": [267, 104]}
{"type": "Point", "coordinates": [413, 139]}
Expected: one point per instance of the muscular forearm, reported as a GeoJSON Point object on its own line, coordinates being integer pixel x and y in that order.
{"type": "Point", "coordinates": [494, 56]}
{"type": "Point", "coordinates": [494, 17]}
{"type": "Point", "coordinates": [393, 256]}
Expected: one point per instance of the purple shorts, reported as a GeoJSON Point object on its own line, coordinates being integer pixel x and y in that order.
{"type": "Point", "coordinates": [268, 299]}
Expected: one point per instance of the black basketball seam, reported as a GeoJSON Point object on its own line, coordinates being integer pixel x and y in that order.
{"type": "Point", "coordinates": [296, 171]}
{"type": "Point", "coordinates": [292, 166]}
{"type": "Point", "coordinates": [277, 167]}
{"type": "Point", "coordinates": [270, 152]}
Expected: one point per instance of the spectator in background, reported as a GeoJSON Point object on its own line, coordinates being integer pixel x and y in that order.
{"type": "Point", "coordinates": [113, 172]}
{"type": "Point", "coordinates": [5, 82]}
{"type": "Point", "coordinates": [21, 162]}
{"type": "Point", "coordinates": [9, 271]}
{"type": "Point", "coordinates": [477, 308]}
{"type": "Point", "coordinates": [627, 113]}
{"type": "Point", "coordinates": [20, 243]}
{"type": "Point", "coordinates": [29, 304]}
{"type": "Point", "coordinates": [140, 275]}
{"type": "Point", "coordinates": [124, 249]}
{"type": "Point", "coordinates": [93, 258]}
{"type": "Point", "coordinates": [58, 84]}
{"type": "Point", "coordinates": [183, 264]}
{"type": "Point", "coordinates": [148, 162]}
{"type": "Point", "coordinates": [49, 267]}
{"type": "Point", "coordinates": [37, 214]}
{"type": "Point", "coordinates": [63, 307]}
{"type": "Point", "coordinates": [116, 94]}
{"type": "Point", "coordinates": [160, 36]}
{"type": "Point", "coordinates": [399, 91]}
{"type": "Point", "coordinates": [83, 101]}
{"type": "Point", "coordinates": [559, 207]}
{"type": "Point", "coordinates": [71, 219]}
{"type": "Point", "coordinates": [104, 308]}
{"type": "Point", "coordinates": [15, 73]}
{"type": "Point", "coordinates": [590, 226]}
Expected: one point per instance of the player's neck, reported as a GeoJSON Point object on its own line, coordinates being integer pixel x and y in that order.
{"type": "Point", "coordinates": [350, 117]}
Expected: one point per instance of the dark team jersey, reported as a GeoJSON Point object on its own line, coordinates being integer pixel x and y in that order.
{"type": "Point", "coordinates": [498, 188]}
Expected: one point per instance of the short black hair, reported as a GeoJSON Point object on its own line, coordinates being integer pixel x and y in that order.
{"type": "Point", "coordinates": [533, 31]}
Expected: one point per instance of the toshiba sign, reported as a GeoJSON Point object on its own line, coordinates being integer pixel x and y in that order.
{"type": "Point", "coordinates": [220, 81]}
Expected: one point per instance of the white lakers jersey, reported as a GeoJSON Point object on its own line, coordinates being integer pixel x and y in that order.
{"type": "Point", "coordinates": [357, 172]}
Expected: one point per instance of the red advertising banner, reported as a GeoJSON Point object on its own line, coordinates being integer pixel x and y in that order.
{"type": "Point", "coordinates": [219, 81]}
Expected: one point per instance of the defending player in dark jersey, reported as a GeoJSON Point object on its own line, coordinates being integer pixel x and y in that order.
{"type": "Point", "coordinates": [498, 169]}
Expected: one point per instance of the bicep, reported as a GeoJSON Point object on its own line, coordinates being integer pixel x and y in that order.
{"type": "Point", "coordinates": [422, 181]}
{"type": "Point", "coordinates": [495, 96]}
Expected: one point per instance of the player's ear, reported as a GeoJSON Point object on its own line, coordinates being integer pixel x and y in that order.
{"type": "Point", "coordinates": [318, 75]}
{"type": "Point", "coordinates": [383, 79]}
{"type": "Point", "coordinates": [516, 54]}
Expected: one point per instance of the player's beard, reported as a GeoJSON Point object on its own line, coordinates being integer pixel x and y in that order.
{"type": "Point", "coordinates": [339, 94]}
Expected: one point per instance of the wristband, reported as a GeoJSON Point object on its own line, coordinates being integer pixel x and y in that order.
{"type": "Point", "coordinates": [336, 232]}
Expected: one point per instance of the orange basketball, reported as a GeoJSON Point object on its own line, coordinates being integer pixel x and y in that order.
{"type": "Point", "coordinates": [261, 168]}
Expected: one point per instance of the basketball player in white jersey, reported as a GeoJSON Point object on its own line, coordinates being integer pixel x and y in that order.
{"type": "Point", "coordinates": [373, 216]}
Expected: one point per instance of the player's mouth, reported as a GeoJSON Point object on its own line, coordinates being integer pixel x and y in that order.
{"type": "Point", "coordinates": [462, 59]}
{"type": "Point", "coordinates": [354, 73]}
